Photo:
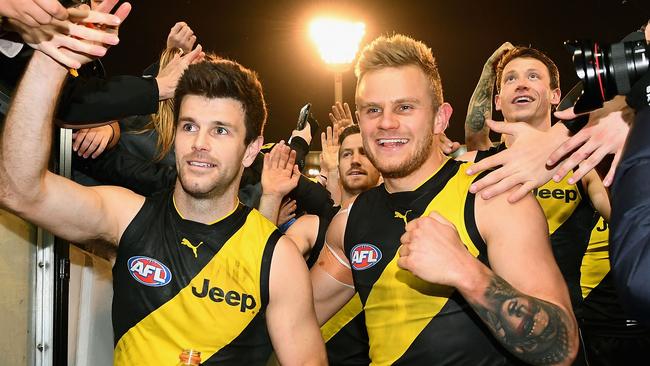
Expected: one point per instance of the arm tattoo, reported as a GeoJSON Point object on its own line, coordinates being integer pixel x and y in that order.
{"type": "Point", "coordinates": [532, 329]}
{"type": "Point", "coordinates": [480, 105]}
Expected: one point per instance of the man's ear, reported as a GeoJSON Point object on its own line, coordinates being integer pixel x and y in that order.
{"type": "Point", "coordinates": [252, 150]}
{"type": "Point", "coordinates": [556, 94]}
{"type": "Point", "coordinates": [497, 102]}
{"type": "Point", "coordinates": [442, 118]}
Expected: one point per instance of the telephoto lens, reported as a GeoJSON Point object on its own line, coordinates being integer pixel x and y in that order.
{"type": "Point", "coordinates": [608, 70]}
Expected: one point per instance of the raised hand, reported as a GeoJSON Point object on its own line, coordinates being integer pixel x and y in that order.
{"type": "Point", "coordinates": [604, 134]}
{"type": "Point", "coordinates": [341, 116]}
{"type": "Point", "coordinates": [83, 35]}
{"type": "Point", "coordinates": [181, 36]}
{"type": "Point", "coordinates": [280, 173]}
{"type": "Point", "coordinates": [33, 13]}
{"type": "Point", "coordinates": [523, 163]}
{"type": "Point", "coordinates": [330, 150]}
{"type": "Point", "coordinates": [91, 142]}
{"type": "Point", "coordinates": [169, 75]}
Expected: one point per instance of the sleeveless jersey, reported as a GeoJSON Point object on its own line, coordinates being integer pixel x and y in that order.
{"type": "Point", "coordinates": [570, 217]}
{"type": "Point", "coordinates": [410, 321]}
{"type": "Point", "coordinates": [181, 284]}
{"type": "Point", "coordinates": [601, 308]}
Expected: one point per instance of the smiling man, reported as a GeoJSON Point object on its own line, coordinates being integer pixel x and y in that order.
{"type": "Point", "coordinates": [425, 255]}
{"type": "Point", "coordinates": [195, 268]}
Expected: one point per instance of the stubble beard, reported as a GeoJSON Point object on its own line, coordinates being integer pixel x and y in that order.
{"type": "Point", "coordinates": [408, 165]}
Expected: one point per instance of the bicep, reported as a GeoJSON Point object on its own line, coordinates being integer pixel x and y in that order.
{"type": "Point", "coordinates": [82, 214]}
{"type": "Point", "coordinates": [290, 314]}
{"type": "Point", "coordinates": [331, 276]}
{"type": "Point", "coordinates": [303, 233]}
{"type": "Point", "coordinates": [519, 250]}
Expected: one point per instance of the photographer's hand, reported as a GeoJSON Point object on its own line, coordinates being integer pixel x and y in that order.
{"type": "Point", "coordinates": [604, 134]}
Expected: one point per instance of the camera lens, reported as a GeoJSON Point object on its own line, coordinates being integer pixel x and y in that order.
{"type": "Point", "coordinates": [607, 71]}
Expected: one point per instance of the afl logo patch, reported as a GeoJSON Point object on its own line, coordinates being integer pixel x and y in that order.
{"type": "Point", "coordinates": [364, 256]}
{"type": "Point", "coordinates": [149, 271]}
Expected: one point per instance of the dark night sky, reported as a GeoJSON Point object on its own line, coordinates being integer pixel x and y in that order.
{"type": "Point", "coordinates": [271, 38]}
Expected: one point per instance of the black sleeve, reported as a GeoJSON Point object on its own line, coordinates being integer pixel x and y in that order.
{"type": "Point", "coordinates": [121, 168]}
{"type": "Point", "coordinates": [313, 198]}
{"type": "Point", "coordinates": [93, 99]}
{"type": "Point", "coordinates": [630, 221]}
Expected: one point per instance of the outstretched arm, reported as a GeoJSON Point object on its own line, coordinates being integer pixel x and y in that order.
{"type": "Point", "coordinates": [477, 134]}
{"type": "Point", "coordinates": [522, 298]}
{"type": "Point", "coordinates": [59, 205]}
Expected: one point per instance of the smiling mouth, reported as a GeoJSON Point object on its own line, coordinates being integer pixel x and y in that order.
{"type": "Point", "coordinates": [200, 164]}
{"type": "Point", "coordinates": [392, 142]}
{"type": "Point", "coordinates": [524, 99]}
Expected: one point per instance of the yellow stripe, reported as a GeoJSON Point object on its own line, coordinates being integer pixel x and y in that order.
{"type": "Point", "coordinates": [342, 317]}
{"type": "Point", "coordinates": [400, 305]}
{"type": "Point", "coordinates": [187, 321]}
{"type": "Point", "coordinates": [558, 210]}
{"type": "Point", "coordinates": [595, 263]}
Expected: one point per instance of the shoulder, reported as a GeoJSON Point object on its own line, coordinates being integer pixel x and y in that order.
{"type": "Point", "coordinates": [497, 216]}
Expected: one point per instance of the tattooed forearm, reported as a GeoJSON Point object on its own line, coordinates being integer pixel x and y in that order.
{"type": "Point", "coordinates": [534, 330]}
{"type": "Point", "coordinates": [480, 105]}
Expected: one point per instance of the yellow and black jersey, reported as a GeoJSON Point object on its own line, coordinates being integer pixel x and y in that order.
{"type": "Point", "coordinates": [601, 308]}
{"type": "Point", "coordinates": [345, 335]}
{"type": "Point", "coordinates": [570, 217]}
{"type": "Point", "coordinates": [180, 284]}
{"type": "Point", "coordinates": [410, 321]}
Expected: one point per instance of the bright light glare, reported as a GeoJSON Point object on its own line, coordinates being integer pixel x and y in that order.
{"type": "Point", "coordinates": [337, 40]}
{"type": "Point", "coordinates": [312, 172]}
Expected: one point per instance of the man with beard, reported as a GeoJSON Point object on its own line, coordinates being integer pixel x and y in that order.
{"type": "Point", "coordinates": [345, 335]}
{"type": "Point", "coordinates": [194, 268]}
{"type": "Point", "coordinates": [426, 256]}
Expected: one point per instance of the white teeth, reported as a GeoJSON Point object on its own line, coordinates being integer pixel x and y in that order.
{"type": "Point", "coordinates": [392, 141]}
{"type": "Point", "coordinates": [203, 165]}
{"type": "Point", "coordinates": [523, 99]}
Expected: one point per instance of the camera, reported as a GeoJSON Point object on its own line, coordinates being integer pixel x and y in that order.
{"type": "Point", "coordinates": [608, 70]}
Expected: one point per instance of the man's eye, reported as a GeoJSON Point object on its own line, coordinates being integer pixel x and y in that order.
{"type": "Point", "coordinates": [188, 127]}
{"type": "Point", "coordinates": [221, 131]}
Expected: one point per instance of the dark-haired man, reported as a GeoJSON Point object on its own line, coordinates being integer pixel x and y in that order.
{"type": "Point", "coordinates": [528, 87]}
{"type": "Point", "coordinates": [195, 268]}
{"type": "Point", "coordinates": [345, 335]}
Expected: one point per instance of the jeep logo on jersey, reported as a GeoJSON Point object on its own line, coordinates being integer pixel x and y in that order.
{"type": "Point", "coordinates": [233, 298]}
{"type": "Point", "coordinates": [149, 271]}
{"type": "Point", "coordinates": [364, 256]}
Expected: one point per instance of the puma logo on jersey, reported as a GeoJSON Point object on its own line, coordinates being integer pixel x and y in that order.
{"type": "Point", "coordinates": [191, 246]}
{"type": "Point", "coordinates": [399, 215]}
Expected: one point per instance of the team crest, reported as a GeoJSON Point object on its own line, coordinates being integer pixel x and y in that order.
{"type": "Point", "coordinates": [364, 256]}
{"type": "Point", "coordinates": [149, 271]}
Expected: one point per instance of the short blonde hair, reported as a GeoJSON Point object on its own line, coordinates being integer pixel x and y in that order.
{"type": "Point", "coordinates": [400, 50]}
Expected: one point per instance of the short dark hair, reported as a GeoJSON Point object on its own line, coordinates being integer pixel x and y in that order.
{"type": "Point", "coordinates": [350, 130]}
{"type": "Point", "coordinates": [220, 78]}
{"type": "Point", "coordinates": [528, 52]}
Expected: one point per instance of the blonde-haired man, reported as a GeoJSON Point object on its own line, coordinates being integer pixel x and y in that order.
{"type": "Point", "coordinates": [424, 254]}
